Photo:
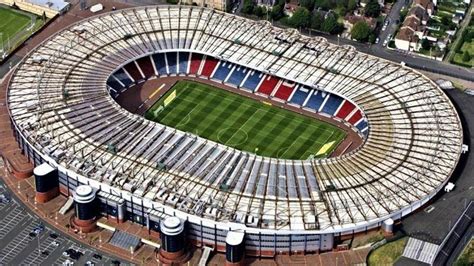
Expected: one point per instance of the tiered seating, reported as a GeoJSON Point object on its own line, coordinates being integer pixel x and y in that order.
{"type": "Point", "coordinates": [362, 125]}
{"type": "Point", "coordinates": [332, 104]}
{"type": "Point", "coordinates": [237, 76]}
{"type": "Point", "coordinates": [172, 62]}
{"type": "Point", "coordinates": [345, 110]}
{"type": "Point", "coordinates": [316, 100]}
{"type": "Point", "coordinates": [222, 70]}
{"type": "Point", "coordinates": [146, 67]}
{"type": "Point", "coordinates": [114, 84]}
{"type": "Point", "coordinates": [300, 96]}
{"type": "Point", "coordinates": [123, 77]}
{"type": "Point", "coordinates": [133, 71]}
{"type": "Point", "coordinates": [253, 80]}
{"type": "Point", "coordinates": [196, 60]}
{"type": "Point", "coordinates": [160, 63]}
{"type": "Point", "coordinates": [355, 117]}
{"type": "Point", "coordinates": [284, 91]}
{"type": "Point", "coordinates": [183, 62]}
{"type": "Point", "coordinates": [209, 66]}
{"type": "Point", "coordinates": [268, 85]}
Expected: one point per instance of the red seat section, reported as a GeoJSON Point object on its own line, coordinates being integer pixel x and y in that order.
{"type": "Point", "coordinates": [284, 91]}
{"type": "Point", "coordinates": [146, 66]}
{"type": "Point", "coordinates": [355, 117]}
{"type": "Point", "coordinates": [268, 85]}
{"type": "Point", "coordinates": [345, 110]}
{"type": "Point", "coordinates": [209, 66]}
{"type": "Point", "coordinates": [195, 63]}
{"type": "Point", "coordinates": [133, 71]}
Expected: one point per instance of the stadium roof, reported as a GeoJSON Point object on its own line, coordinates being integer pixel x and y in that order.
{"type": "Point", "coordinates": [61, 106]}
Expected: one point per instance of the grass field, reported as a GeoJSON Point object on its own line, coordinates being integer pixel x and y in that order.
{"type": "Point", "coordinates": [16, 26]}
{"type": "Point", "coordinates": [388, 254]}
{"type": "Point", "coordinates": [244, 123]}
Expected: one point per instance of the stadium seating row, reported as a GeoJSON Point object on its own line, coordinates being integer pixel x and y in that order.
{"type": "Point", "coordinates": [185, 63]}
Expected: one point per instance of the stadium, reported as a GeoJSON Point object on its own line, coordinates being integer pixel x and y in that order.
{"type": "Point", "coordinates": [232, 125]}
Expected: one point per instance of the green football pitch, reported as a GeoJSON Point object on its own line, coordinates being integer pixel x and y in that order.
{"type": "Point", "coordinates": [244, 123]}
{"type": "Point", "coordinates": [12, 22]}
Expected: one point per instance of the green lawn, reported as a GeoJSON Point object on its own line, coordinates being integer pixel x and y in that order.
{"type": "Point", "coordinates": [16, 26]}
{"type": "Point", "coordinates": [244, 123]}
{"type": "Point", "coordinates": [12, 22]}
{"type": "Point", "coordinates": [388, 254]}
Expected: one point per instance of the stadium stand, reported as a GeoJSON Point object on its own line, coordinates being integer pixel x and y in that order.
{"type": "Point", "coordinates": [284, 91]}
{"type": "Point", "coordinates": [209, 66]}
{"type": "Point", "coordinates": [222, 70]}
{"type": "Point", "coordinates": [160, 63]}
{"type": "Point", "coordinates": [195, 64]}
{"type": "Point", "coordinates": [123, 77]}
{"type": "Point", "coordinates": [331, 104]}
{"type": "Point", "coordinates": [355, 117]}
{"type": "Point", "coordinates": [183, 62]}
{"type": "Point", "coordinates": [268, 85]}
{"type": "Point", "coordinates": [252, 80]}
{"type": "Point", "coordinates": [300, 96]}
{"type": "Point", "coordinates": [146, 66]}
{"type": "Point", "coordinates": [283, 205]}
{"type": "Point", "coordinates": [133, 71]}
{"type": "Point", "coordinates": [237, 75]}
{"type": "Point", "coordinates": [316, 100]}
{"type": "Point", "coordinates": [346, 108]}
{"type": "Point", "coordinates": [171, 59]}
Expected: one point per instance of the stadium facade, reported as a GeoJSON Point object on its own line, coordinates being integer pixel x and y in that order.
{"type": "Point", "coordinates": [141, 171]}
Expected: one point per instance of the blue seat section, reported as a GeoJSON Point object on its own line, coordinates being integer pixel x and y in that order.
{"type": "Point", "coordinates": [238, 75]}
{"type": "Point", "coordinates": [300, 95]}
{"type": "Point", "coordinates": [332, 104]}
{"type": "Point", "coordinates": [363, 124]}
{"type": "Point", "coordinates": [113, 83]}
{"type": "Point", "coordinates": [160, 63]}
{"type": "Point", "coordinates": [253, 80]}
{"type": "Point", "coordinates": [183, 62]}
{"type": "Point", "coordinates": [172, 62]}
{"type": "Point", "coordinates": [315, 101]}
{"type": "Point", "coordinates": [120, 75]}
{"type": "Point", "coordinates": [222, 71]}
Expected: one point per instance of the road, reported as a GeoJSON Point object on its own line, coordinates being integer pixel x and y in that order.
{"type": "Point", "coordinates": [392, 17]}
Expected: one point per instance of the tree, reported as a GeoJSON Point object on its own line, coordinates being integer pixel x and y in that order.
{"type": "Point", "coordinates": [300, 18]}
{"type": "Point", "coordinates": [372, 37]}
{"type": "Point", "coordinates": [425, 44]}
{"type": "Point", "coordinates": [247, 7]}
{"type": "Point", "coordinates": [323, 4]}
{"type": "Point", "coordinates": [317, 21]}
{"type": "Point", "coordinates": [330, 25]}
{"type": "Point", "coordinates": [372, 9]}
{"type": "Point", "coordinates": [445, 20]}
{"type": "Point", "coordinates": [360, 31]}
{"type": "Point", "coordinates": [277, 12]}
{"type": "Point", "coordinates": [259, 11]}
{"type": "Point", "coordinates": [351, 5]}
{"type": "Point", "coordinates": [308, 4]}
{"type": "Point", "coordinates": [466, 57]}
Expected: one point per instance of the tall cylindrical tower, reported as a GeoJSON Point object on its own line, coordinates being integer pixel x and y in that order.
{"type": "Point", "coordinates": [235, 248]}
{"type": "Point", "coordinates": [85, 208]}
{"type": "Point", "coordinates": [46, 182]}
{"type": "Point", "coordinates": [173, 248]}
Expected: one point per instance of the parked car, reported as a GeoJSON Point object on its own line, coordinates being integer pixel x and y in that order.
{"type": "Point", "coordinates": [377, 40]}
{"type": "Point", "coordinates": [97, 256]}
